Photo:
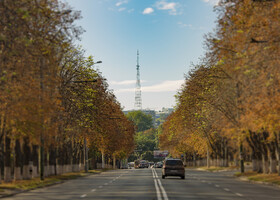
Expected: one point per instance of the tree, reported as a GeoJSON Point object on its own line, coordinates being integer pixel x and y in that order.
{"type": "Point", "coordinates": [141, 120]}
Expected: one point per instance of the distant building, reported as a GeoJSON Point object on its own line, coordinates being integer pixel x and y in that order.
{"type": "Point", "coordinates": [162, 115]}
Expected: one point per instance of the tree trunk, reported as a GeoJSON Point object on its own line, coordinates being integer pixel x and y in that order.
{"type": "Point", "coordinates": [241, 153]}
{"type": "Point", "coordinates": [194, 159]}
{"type": "Point", "coordinates": [35, 159]}
{"type": "Point", "coordinates": [278, 151]}
{"type": "Point", "coordinates": [265, 163]}
{"type": "Point", "coordinates": [254, 160]}
{"type": "Point", "coordinates": [26, 159]}
{"type": "Point", "coordinates": [86, 155]}
{"type": "Point", "coordinates": [259, 162]}
{"type": "Point", "coordinates": [103, 160]}
{"type": "Point", "coordinates": [272, 158]}
{"type": "Point", "coordinates": [52, 160]}
{"type": "Point", "coordinates": [18, 161]}
{"type": "Point", "coordinates": [7, 160]}
{"type": "Point", "coordinates": [208, 157]}
{"type": "Point", "coordinates": [226, 156]}
{"type": "Point", "coordinates": [114, 161]}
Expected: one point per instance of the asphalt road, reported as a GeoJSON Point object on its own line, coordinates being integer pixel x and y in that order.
{"type": "Point", "coordinates": [147, 184]}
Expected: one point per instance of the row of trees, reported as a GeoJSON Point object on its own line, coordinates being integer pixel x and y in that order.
{"type": "Point", "coordinates": [146, 137]}
{"type": "Point", "coordinates": [53, 103]}
{"type": "Point", "coordinates": [229, 104]}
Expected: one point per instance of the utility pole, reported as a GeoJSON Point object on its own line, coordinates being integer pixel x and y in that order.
{"type": "Point", "coordinates": [138, 98]}
{"type": "Point", "coordinates": [86, 154]}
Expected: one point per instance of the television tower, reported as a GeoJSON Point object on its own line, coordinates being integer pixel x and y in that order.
{"type": "Point", "coordinates": [138, 98]}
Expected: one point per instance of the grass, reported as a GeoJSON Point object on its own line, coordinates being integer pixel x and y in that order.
{"type": "Point", "coordinates": [267, 178]}
{"type": "Point", "coordinates": [36, 182]}
{"type": "Point", "coordinates": [214, 169]}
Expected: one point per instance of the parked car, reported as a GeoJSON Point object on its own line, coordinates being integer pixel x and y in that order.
{"type": "Point", "coordinates": [173, 167]}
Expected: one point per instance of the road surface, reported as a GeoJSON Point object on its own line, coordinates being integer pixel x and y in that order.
{"type": "Point", "coordinates": [142, 184]}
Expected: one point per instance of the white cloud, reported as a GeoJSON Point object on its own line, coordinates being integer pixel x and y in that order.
{"type": "Point", "coordinates": [171, 7]}
{"type": "Point", "coordinates": [121, 9]}
{"type": "Point", "coordinates": [212, 2]}
{"type": "Point", "coordinates": [148, 11]}
{"type": "Point", "coordinates": [166, 86]}
{"type": "Point", "coordinates": [121, 3]}
{"type": "Point", "coordinates": [130, 11]}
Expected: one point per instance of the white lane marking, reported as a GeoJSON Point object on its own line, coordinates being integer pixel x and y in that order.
{"type": "Point", "coordinates": [217, 186]}
{"type": "Point", "coordinates": [156, 186]}
{"type": "Point", "coordinates": [83, 196]}
{"type": "Point", "coordinates": [157, 190]}
{"type": "Point", "coordinates": [238, 194]}
{"type": "Point", "coordinates": [203, 181]}
{"type": "Point", "coordinates": [93, 190]}
{"type": "Point", "coordinates": [111, 182]}
{"type": "Point", "coordinates": [160, 186]}
{"type": "Point", "coordinates": [226, 189]}
{"type": "Point", "coordinates": [153, 174]}
{"type": "Point", "coordinates": [106, 184]}
{"type": "Point", "coordinates": [100, 186]}
{"type": "Point", "coordinates": [163, 190]}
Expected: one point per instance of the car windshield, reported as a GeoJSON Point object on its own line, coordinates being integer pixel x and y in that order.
{"type": "Point", "coordinates": [173, 162]}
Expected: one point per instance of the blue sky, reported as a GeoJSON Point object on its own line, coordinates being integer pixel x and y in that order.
{"type": "Point", "coordinates": [169, 36]}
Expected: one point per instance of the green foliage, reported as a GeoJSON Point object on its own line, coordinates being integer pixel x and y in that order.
{"type": "Point", "coordinates": [146, 140]}
{"type": "Point", "coordinates": [141, 120]}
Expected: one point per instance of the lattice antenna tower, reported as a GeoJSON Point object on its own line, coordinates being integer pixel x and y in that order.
{"type": "Point", "coordinates": [138, 98]}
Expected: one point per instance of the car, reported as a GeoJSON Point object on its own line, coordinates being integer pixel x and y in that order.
{"type": "Point", "coordinates": [173, 167]}
{"type": "Point", "coordinates": [144, 164]}
{"type": "Point", "coordinates": [158, 165]}
{"type": "Point", "coordinates": [130, 165]}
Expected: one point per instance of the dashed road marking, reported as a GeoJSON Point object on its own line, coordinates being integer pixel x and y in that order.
{"type": "Point", "coordinates": [93, 190]}
{"type": "Point", "coordinates": [106, 184]}
{"type": "Point", "coordinates": [238, 194]}
{"type": "Point", "coordinates": [217, 186]}
{"type": "Point", "coordinates": [83, 196]}
{"type": "Point", "coordinates": [226, 189]}
{"type": "Point", "coordinates": [100, 186]}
